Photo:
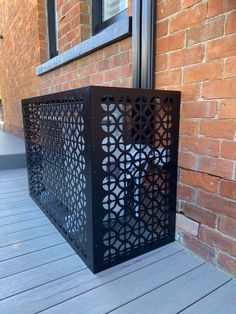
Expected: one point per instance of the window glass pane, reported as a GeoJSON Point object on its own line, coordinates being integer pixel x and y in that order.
{"type": "Point", "coordinates": [112, 7]}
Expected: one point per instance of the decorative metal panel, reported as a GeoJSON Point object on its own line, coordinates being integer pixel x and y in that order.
{"type": "Point", "coordinates": [102, 164]}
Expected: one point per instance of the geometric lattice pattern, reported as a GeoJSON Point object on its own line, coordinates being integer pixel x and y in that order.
{"type": "Point", "coordinates": [102, 164]}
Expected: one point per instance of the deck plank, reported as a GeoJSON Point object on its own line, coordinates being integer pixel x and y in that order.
{"type": "Point", "coordinates": [114, 294]}
{"type": "Point", "coordinates": [5, 221]}
{"type": "Point", "coordinates": [221, 301]}
{"type": "Point", "coordinates": [20, 226]}
{"type": "Point", "coordinates": [13, 174]}
{"type": "Point", "coordinates": [67, 287]}
{"type": "Point", "coordinates": [38, 276]}
{"type": "Point", "coordinates": [18, 194]}
{"type": "Point", "coordinates": [11, 202]}
{"type": "Point", "coordinates": [26, 235]}
{"type": "Point", "coordinates": [18, 211]}
{"type": "Point", "coordinates": [183, 291]}
{"type": "Point", "coordinates": [39, 271]}
{"type": "Point", "coordinates": [34, 260]}
{"type": "Point", "coordinates": [22, 248]}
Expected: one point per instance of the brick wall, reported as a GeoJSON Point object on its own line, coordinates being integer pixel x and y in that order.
{"type": "Point", "coordinates": [109, 66]}
{"type": "Point", "coordinates": [74, 22]}
{"type": "Point", "coordinates": [196, 53]}
{"type": "Point", "coordinates": [22, 49]}
{"type": "Point", "coordinates": [25, 46]}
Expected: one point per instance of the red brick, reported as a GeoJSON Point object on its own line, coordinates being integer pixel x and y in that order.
{"type": "Point", "coordinates": [189, 127]}
{"type": "Point", "coordinates": [96, 79]}
{"type": "Point", "coordinates": [228, 226]}
{"type": "Point", "coordinates": [125, 44]}
{"type": "Point", "coordinates": [216, 7]}
{"type": "Point", "coordinates": [228, 189]}
{"type": "Point", "coordinates": [186, 224]}
{"type": "Point", "coordinates": [208, 29]}
{"type": "Point", "coordinates": [104, 64]}
{"type": "Point", "coordinates": [198, 214]}
{"type": "Point", "coordinates": [166, 8]}
{"type": "Point", "coordinates": [200, 180]}
{"type": "Point", "coordinates": [185, 193]}
{"type": "Point", "coordinates": [218, 128]}
{"type": "Point", "coordinates": [230, 68]}
{"type": "Point", "coordinates": [221, 48]}
{"type": "Point", "coordinates": [187, 160]}
{"type": "Point", "coordinates": [169, 43]}
{"type": "Point", "coordinates": [126, 70]}
{"type": "Point", "coordinates": [217, 240]}
{"type": "Point", "coordinates": [200, 145]}
{"type": "Point", "coordinates": [111, 50]}
{"type": "Point", "coordinates": [112, 74]}
{"type": "Point", "coordinates": [161, 62]}
{"type": "Point", "coordinates": [186, 56]}
{"type": "Point", "coordinates": [189, 3]}
{"type": "Point", "coordinates": [201, 109]}
{"type": "Point", "coordinates": [217, 204]}
{"type": "Point", "coordinates": [227, 109]}
{"type": "Point", "coordinates": [120, 59]}
{"type": "Point", "coordinates": [189, 92]}
{"type": "Point", "coordinates": [231, 23]}
{"type": "Point", "coordinates": [219, 89]}
{"type": "Point", "coordinates": [197, 246]}
{"type": "Point", "coordinates": [162, 28]}
{"type": "Point", "coordinates": [228, 150]}
{"type": "Point", "coordinates": [188, 17]}
{"type": "Point", "coordinates": [130, 7]}
{"type": "Point", "coordinates": [166, 78]}
{"type": "Point", "coordinates": [203, 72]}
{"type": "Point", "coordinates": [219, 167]}
{"type": "Point", "coordinates": [227, 262]}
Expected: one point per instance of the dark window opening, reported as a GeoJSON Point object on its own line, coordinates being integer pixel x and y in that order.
{"type": "Point", "coordinates": [52, 28]}
{"type": "Point", "coordinates": [107, 12]}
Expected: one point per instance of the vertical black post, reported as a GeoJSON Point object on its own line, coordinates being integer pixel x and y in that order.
{"type": "Point", "coordinates": [147, 49]}
{"type": "Point", "coordinates": [96, 16]}
{"type": "Point", "coordinates": [52, 36]}
{"type": "Point", "coordinates": [136, 38]}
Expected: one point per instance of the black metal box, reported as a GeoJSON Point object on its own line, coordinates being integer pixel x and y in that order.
{"type": "Point", "coordinates": [102, 165]}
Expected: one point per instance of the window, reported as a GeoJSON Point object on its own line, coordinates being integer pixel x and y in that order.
{"type": "Point", "coordinates": [107, 12]}
{"type": "Point", "coordinates": [52, 28]}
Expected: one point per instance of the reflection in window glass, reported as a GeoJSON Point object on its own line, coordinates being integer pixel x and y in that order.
{"type": "Point", "coordinates": [112, 7]}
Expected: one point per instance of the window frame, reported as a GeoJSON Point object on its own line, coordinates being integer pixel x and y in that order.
{"type": "Point", "coordinates": [97, 23]}
{"type": "Point", "coordinates": [52, 29]}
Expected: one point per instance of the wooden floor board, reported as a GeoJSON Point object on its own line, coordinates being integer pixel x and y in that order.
{"type": "Point", "coordinates": [13, 174]}
{"type": "Point", "coordinates": [221, 301]}
{"type": "Point", "coordinates": [12, 219]}
{"type": "Point", "coordinates": [39, 271]}
{"type": "Point", "coordinates": [15, 201]}
{"type": "Point", "coordinates": [178, 294]}
{"type": "Point", "coordinates": [131, 286]}
{"type": "Point", "coordinates": [18, 195]}
{"type": "Point", "coordinates": [22, 248]}
{"type": "Point", "coordinates": [25, 225]}
{"type": "Point", "coordinates": [27, 235]}
{"type": "Point", "coordinates": [38, 276]}
{"type": "Point", "coordinates": [15, 211]}
{"type": "Point", "coordinates": [67, 287]}
{"type": "Point", "coordinates": [34, 260]}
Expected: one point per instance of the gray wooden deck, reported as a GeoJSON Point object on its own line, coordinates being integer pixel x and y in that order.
{"type": "Point", "coordinates": [40, 272]}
